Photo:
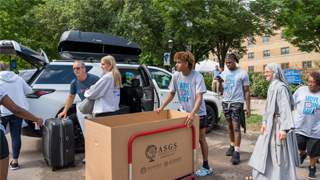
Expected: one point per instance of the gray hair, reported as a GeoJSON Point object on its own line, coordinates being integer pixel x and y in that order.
{"type": "Point", "coordinates": [81, 62]}
{"type": "Point", "coordinates": [3, 66]}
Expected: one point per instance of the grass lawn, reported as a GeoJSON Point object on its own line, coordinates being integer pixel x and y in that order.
{"type": "Point", "coordinates": [253, 123]}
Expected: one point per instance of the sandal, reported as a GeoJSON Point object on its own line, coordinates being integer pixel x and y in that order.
{"type": "Point", "coordinates": [248, 178]}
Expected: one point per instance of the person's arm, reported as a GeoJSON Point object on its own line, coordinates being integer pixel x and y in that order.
{"type": "Point", "coordinates": [247, 97]}
{"type": "Point", "coordinates": [167, 101]}
{"type": "Point", "coordinates": [26, 88]}
{"type": "Point", "coordinates": [67, 106]}
{"type": "Point", "coordinates": [100, 88]}
{"type": "Point", "coordinates": [18, 111]}
{"type": "Point", "coordinates": [197, 105]}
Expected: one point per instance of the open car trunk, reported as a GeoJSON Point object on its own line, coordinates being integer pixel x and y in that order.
{"type": "Point", "coordinates": [38, 60]}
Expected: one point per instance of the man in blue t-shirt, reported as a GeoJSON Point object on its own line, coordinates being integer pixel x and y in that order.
{"type": "Point", "coordinates": [78, 86]}
{"type": "Point", "coordinates": [215, 83]}
{"type": "Point", "coordinates": [234, 83]}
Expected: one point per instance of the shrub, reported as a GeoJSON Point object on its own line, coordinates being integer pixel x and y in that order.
{"type": "Point", "coordinates": [251, 74]}
{"type": "Point", "coordinates": [208, 82]}
{"type": "Point", "coordinates": [259, 86]}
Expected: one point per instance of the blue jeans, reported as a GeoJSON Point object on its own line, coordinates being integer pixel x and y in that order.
{"type": "Point", "coordinates": [15, 132]}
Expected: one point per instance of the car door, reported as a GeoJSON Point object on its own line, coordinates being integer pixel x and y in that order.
{"type": "Point", "coordinates": [36, 59]}
{"type": "Point", "coordinates": [163, 79]}
{"type": "Point", "coordinates": [151, 94]}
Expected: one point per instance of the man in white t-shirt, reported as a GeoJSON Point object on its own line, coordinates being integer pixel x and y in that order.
{"type": "Point", "coordinates": [190, 86]}
{"type": "Point", "coordinates": [234, 83]}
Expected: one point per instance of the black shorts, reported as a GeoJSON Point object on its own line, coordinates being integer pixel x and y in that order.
{"type": "Point", "coordinates": [232, 111]}
{"type": "Point", "coordinates": [203, 122]}
{"type": "Point", "coordinates": [312, 145]}
{"type": "Point", "coordinates": [4, 149]}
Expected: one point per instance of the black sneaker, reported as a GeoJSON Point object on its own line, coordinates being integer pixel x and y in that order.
{"type": "Point", "coordinates": [302, 157]}
{"type": "Point", "coordinates": [230, 151]}
{"type": "Point", "coordinates": [235, 157]}
{"type": "Point", "coordinates": [14, 165]}
{"type": "Point", "coordinates": [312, 172]}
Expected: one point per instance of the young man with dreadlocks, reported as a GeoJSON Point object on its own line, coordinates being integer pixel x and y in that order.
{"type": "Point", "coordinates": [190, 86]}
{"type": "Point", "coordinates": [234, 83]}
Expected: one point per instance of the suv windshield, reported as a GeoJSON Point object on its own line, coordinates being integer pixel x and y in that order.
{"type": "Point", "coordinates": [58, 74]}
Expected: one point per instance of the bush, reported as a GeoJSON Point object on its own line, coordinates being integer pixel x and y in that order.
{"type": "Point", "coordinates": [251, 74]}
{"type": "Point", "coordinates": [208, 82]}
{"type": "Point", "coordinates": [259, 85]}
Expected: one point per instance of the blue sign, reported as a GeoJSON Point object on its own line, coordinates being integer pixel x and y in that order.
{"type": "Point", "coordinates": [13, 64]}
{"type": "Point", "coordinates": [293, 76]}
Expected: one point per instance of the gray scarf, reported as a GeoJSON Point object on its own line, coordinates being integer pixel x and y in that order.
{"type": "Point", "coordinates": [278, 74]}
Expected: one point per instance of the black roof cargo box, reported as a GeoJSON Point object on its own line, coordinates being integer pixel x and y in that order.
{"type": "Point", "coordinates": [89, 45]}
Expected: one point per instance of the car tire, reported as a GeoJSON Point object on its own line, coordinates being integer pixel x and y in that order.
{"type": "Point", "coordinates": [211, 114]}
{"type": "Point", "coordinates": [78, 135]}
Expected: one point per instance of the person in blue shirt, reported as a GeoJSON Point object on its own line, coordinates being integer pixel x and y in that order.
{"type": "Point", "coordinates": [215, 82]}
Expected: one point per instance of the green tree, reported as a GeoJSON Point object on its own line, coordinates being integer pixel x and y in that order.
{"type": "Point", "coordinates": [301, 19]}
{"type": "Point", "coordinates": [219, 26]}
{"type": "Point", "coordinates": [15, 23]}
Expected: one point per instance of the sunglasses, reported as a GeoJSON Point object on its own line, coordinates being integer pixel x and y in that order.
{"type": "Point", "coordinates": [77, 68]}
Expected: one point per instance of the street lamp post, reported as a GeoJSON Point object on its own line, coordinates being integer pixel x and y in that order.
{"type": "Point", "coordinates": [170, 43]}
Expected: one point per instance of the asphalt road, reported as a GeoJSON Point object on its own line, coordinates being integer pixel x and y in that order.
{"type": "Point", "coordinates": [33, 166]}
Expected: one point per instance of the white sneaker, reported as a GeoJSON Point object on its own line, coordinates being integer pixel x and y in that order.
{"type": "Point", "coordinates": [84, 160]}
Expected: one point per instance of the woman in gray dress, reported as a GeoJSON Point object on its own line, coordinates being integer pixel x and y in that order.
{"type": "Point", "coordinates": [276, 152]}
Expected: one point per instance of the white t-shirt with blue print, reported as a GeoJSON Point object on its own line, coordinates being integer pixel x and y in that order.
{"type": "Point", "coordinates": [307, 115]}
{"type": "Point", "coordinates": [2, 94]}
{"type": "Point", "coordinates": [187, 87]}
{"type": "Point", "coordinates": [233, 85]}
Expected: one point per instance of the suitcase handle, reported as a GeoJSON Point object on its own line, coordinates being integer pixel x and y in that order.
{"type": "Point", "coordinates": [67, 143]}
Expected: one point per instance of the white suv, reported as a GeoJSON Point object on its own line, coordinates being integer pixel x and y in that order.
{"type": "Point", "coordinates": [51, 85]}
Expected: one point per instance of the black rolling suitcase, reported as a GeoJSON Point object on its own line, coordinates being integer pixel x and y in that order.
{"type": "Point", "coordinates": [58, 142]}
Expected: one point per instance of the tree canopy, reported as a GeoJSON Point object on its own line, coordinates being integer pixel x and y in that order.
{"type": "Point", "coordinates": [301, 19]}
{"type": "Point", "coordinates": [218, 26]}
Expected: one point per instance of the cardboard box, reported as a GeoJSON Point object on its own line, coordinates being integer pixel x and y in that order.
{"type": "Point", "coordinates": [166, 155]}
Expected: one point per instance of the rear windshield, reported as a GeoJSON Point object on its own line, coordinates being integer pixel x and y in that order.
{"type": "Point", "coordinates": [58, 74]}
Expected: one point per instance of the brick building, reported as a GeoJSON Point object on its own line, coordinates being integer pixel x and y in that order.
{"type": "Point", "coordinates": [273, 49]}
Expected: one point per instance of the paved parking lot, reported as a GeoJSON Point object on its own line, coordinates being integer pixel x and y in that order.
{"type": "Point", "coordinates": [33, 166]}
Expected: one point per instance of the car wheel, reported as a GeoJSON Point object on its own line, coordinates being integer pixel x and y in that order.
{"type": "Point", "coordinates": [78, 136]}
{"type": "Point", "coordinates": [211, 118]}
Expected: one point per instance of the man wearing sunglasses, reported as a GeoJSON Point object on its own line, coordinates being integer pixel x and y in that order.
{"type": "Point", "coordinates": [79, 85]}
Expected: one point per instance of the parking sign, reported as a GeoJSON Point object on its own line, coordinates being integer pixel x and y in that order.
{"type": "Point", "coordinates": [166, 59]}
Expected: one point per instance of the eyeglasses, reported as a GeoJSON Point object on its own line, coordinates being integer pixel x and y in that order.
{"type": "Point", "coordinates": [77, 68]}
{"type": "Point", "coordinates": [311, 82]}
{"type": "Point", "coordinates": [268, 72]}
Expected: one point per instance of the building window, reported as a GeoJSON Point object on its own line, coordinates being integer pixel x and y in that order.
{"type": "Point", "coordinates": [285, 50]}
{"type": "Point", "coordinates": [214, 59]}
{"type": "Point", "coordinates": [266, 23]}
{"type": "Point", "coordinates": [250, 42]}
{"type": "Point", "coordinates": [307, 64]}
{"type": "Point", "coordinates": [250, 68]}
{"type": "Point", "coordinates": [264, 67]}
{"type": "Point", "coordinates": [284, 66]}
{"type": "Point", "coordinates": [282, 35]}
{"type": "Point", "coordinates": [266, 53]}
{"type": "Point", "coordinates": [266, 39]}
{"type": "Point", "coordinates": [250, 55]}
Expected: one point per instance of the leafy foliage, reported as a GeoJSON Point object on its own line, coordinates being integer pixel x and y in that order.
{"type": "Point", "coordinates": [259, 86]}
{"type": "Point", "coordinates": [302, 21]}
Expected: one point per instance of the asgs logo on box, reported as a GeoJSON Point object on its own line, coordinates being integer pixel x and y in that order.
{"type": "Point", "coordinates": [162, 151]}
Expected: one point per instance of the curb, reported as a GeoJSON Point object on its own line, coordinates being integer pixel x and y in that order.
{"type": "Point", "coordinates": [248, 133]}
{"type": "Point", "coordinates": [258, 101]}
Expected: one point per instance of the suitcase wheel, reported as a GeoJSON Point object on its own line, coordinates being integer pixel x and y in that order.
{"type": "Point", "coordinates": [53, 169]}
{"type": "Point", "coordinates": [73, 165]}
